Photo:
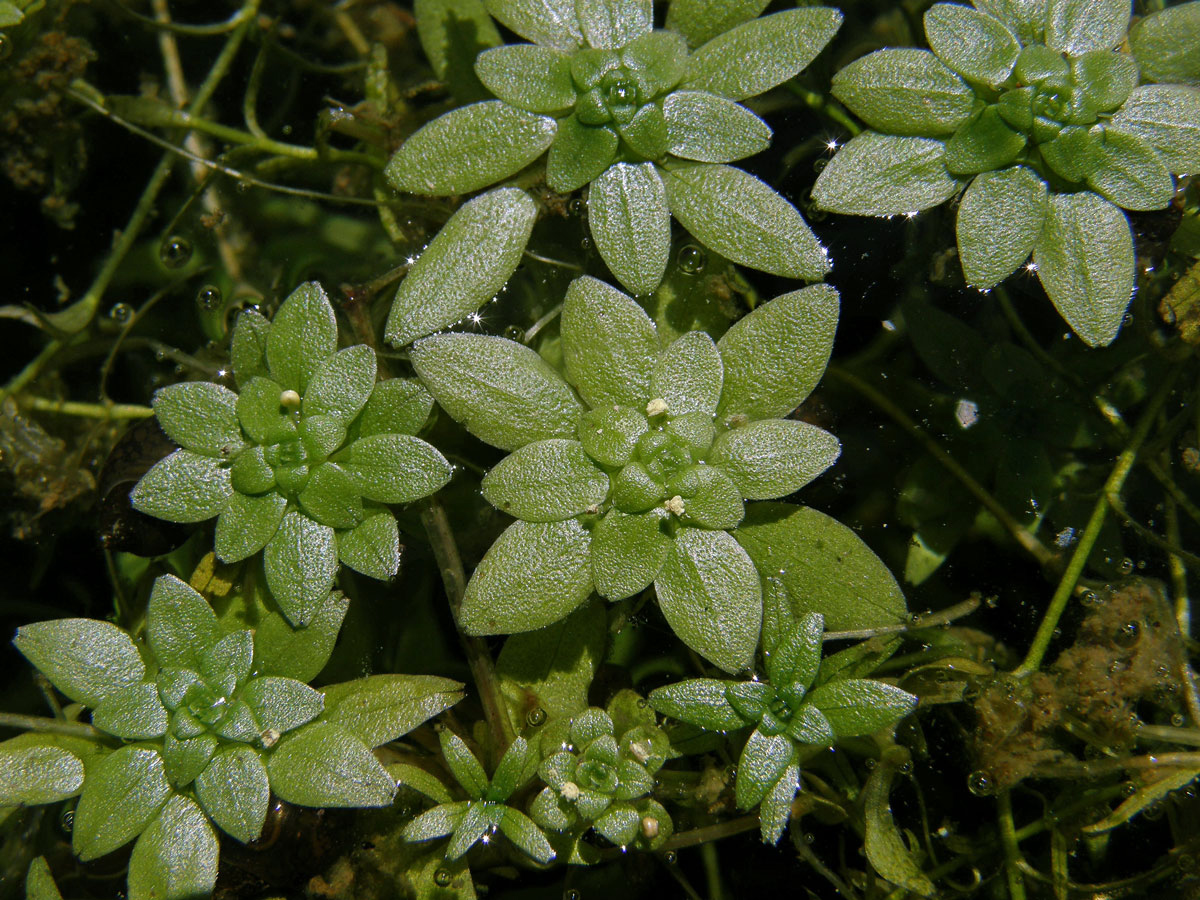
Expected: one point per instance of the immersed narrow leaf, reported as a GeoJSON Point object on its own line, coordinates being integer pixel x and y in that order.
{"type": "Point", "coordinates": [184, 487]}
{"type": "Point", "coordinates": [701, 20]}
{"type": "Point", "coordinates": [180, 624]}
{"type": "Point", "coordinates": [303, 334]}
{"type": "Point", "coordinates": [709, 592]}
{"type": "Point", "coordinates": [123, 792]}
{"type": "Point", "coordinates": [324, 765]}
{"type": "Point", "coordinates": [858, 706]}
{"type": "Point", "coordinates": [503, 392]}
{"type": "Point", "coordinates": [471, 258]}
{"type": "Point", "coordinates": [1165, 47]}
{"type": "Point", "coordinates": [885, 175]}
{"type": "Point", "coordinates": [300, 562]}
{"type": "Point", "coordinates": [761, 53]}
{"type": "Point", "coordinates": [534, 574]}
{"type": "Point", "coordinates": [396, 468]}
{"type": "Point", "coordinates": [435, 823]}
{"type": "Point", "coordinates": [233, 789]}
{"type": "Point", "coordinates": [775, 356]}
{"type": "Point", "coordinates": [551, 23]}
{"type": "Point", "coordinates": [248, 347]}
{"type": "Point", "coordinates": [1085, 261]}
{"type": "Point", "coordinates": [469, 148]}
{"type": "Point", "coordinates": [797, 656]}
{"type": "Point", "coordinates": [609, 344]}
{"type": "Point", "coordinates": [34, 774]}
{"type": "Point", "coordinates": [39, 883]}
{"type": "Point", "coordinates": [774, 457]}
{"type": "Point", "coordinates": [200, 416]}
{"type": "Point", "coordinates": [526, 836]}
{"type": "Point", "coordinates": [824, 565]}
{"type": "Point", "coordinates": [516, 767]}
{"type": "Point", "coordinates": [246, 524]}
{"type": "Point", "coordinates": [87, 659]}
{"type": "Point", "coordinates": [372, 546]}
{"type": "Point", "coordinates": [176, 856]}
{"type": "Point", "coordinates": [882, 842]}
{"type": "Point", "coordinates": [546, 481]}
{"type": "Point", "coordinates": [743, 219]}
{"type": "Point", "coordinates": [975, 45]}
{"type": "Point", "coordinates": [1167, 116]}
{"type": "Point", "coordinates": [698, 701]}
{"type": "Point", "coordinates": [999, 220]}
{"type": "Point", "coordinates": [1077, 26]}
{"type": "Point", "coordinates": [763, 762]}
{"type": "Point", "coordinates": [905, 92]}
{"type": "Point", "coordinates": [630, 223]}
{"type": "Point", "coordinates": [381, 708]}
{"type": "Point", "coordinates": [708, 128]}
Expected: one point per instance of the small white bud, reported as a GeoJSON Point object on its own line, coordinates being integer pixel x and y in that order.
{"type": "Point", "coordinates": [656, 407]}
{"type": "Point", "coordinates": [290, 399]}
{"type": "Point", "coordinates": [674, 505]}
{"type": "Point", "coordinates": [570, 791]}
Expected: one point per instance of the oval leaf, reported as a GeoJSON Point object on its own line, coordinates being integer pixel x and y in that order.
{"type": "Point", "coordinates": [536, 79]}
{"type": "Point", "coordinates": [122, 794]}
{"type": "Point", "coordinates": [324, 765]}
{"type": "Point", "coordinates": [546, 481]}
{"type": "Point", "coordinates": [396, 468]}
{"type": "Point", "coordinates": [233, 789]}
{"type": "Point", "coordinates": [609, 344]}
{"type": "Point", "coordinates": [381, 708]}
{"type": "Point", "coordinates": [200, 417]}
{"type": "Point", "coordinates": [630, 223]}
{"type": "Point", "coordinates": [184, 487]}
{"type": "Point", "coordinates": [176, 856]}
{"type": "Point", "coordinates": [86, 659]}
{"type": "Point", "coordinates": [774, 457]}
{"type": "Point", "coordinates": [303, 335]}
{"type": "Point", "coordinates": [689, 375]}
{"type": "Point", "coordinates": [32, 775]}
{"type": "Point", "coordinates": [708, 128]}
{"type": "Point", "coordinates": [973, 44]}
{"type": "Point", "coordinates": [300, 562]}
{"type": "Point", "coordinates": [1077, 26]}
{"type": "Point", "coordinates": [905, 91]}
{"type": "Point", "coordinates": [341, 386]}
{"type": "Point", "coordinates": [885, 175]}
{"type": "Point", "coordinates": [999, 221]}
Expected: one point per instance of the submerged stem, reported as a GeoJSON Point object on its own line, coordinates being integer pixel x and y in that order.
{"type": "Point", "coordinates": [46, 725]}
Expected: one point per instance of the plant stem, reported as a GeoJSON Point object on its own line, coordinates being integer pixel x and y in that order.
{"type": "Point", "coordinates": [479, 659]}
{"type": "Point", "coordinates": [1012, 849]}
{"type": "Point", "coordinates": [1022, 535]}
{"type": "Point", "coordinates": [88, 410]}
{"type": "Point", "coordinates": [1091, 533]}
{"type": "Point", "coordinates": [1014, 321]}
{"type": "Point", "coordinates": [50, 726]}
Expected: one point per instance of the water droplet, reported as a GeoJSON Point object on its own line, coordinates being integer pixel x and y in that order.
{"type": "Point", "coordinates": [6, 46]}
{"type": "Point", "coordinates": [1126, 566]}
{"type": "Point", "coordinates": [980, 784]}
{"type": "Point", "coordinates": [66, 821]}
{"type": "Point", "coordinates": [442, 878]}
{"type": "Point", "coordinates": [209, 298]}
{"type": "Point", "coordinates": [1177, 720]}
{"type": "Point", "coordinates": [585, 244]}
{"type": "Point", "coordinates": [1127, 635]}
{"type": "Point", "coordinates": [121, 313]}
{"type": "Point", "coordinates": [175, 252]}
{"type": "Point", "coordinates": [905, 768]}
{"type": "Point", "coordinates": [536, 717]}
{"type": "Point", "coordinates": [1090, 598]}
{"type": "Point", "coordinates": [691, 259]}
{"type": "Point", "coordinates": [671, 857]}
{"type": "Point", "coordinates": [572, 894]}
{"type": "Point", "coordinates": [577, 207]}
{"type": "Point", "coordinates": [515, 333]}
{"type": "Point", "coordinates": [819, 164]}
{"type": "Point", "coordinates": [809, 837]}
{"type": "Point", "coordinates": [1154, 811]}
{"type": "Point", "coordinates": [869, 763]}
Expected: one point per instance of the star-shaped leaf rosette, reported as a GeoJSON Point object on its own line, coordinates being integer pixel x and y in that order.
{"type": "Point", "coordinates": [632, 470]}
{"type": "Point", "coordinates": [299, 461]}
{"type": "Point", "coordinates": [649, 118]}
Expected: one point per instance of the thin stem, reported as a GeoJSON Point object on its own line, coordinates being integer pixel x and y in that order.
{"type": "Point", "coordinates": [1022, 535]}
{"type": "Point", "coordinates": [1091, 533]}
{"type": "Point", "coordinates": [929, 620]}
{"type": "Point", "coordinates": [1012, 850]}
{"type": "Point", "coordinates": [46, 725]}
{"type": "Point", "coordinates": [1014, 321]}
{"type": "Point", "coordinates": [88, 410]}
{"type": "Point", "coordinates": [479, 659]}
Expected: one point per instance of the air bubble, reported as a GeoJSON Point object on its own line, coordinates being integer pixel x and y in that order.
{"type": "Point", "coordinates": [1177, 720]}
{"type": "Point", "coordinates": [66, 821]}
{"type": "Point", "coordinates": [572, 894]}
{"type": "Point", "coordinates": [121, 313]}
{"type": "Point", "coordinates": [515, 333]}
{"type": "Point", "coordinates": [1154, 811]}
{"type": "Point", "coordinates": [691, 259]}
{"type": "Point", "coordinates": [585, 244]}
{"type": "Point", "coordinates": [209, 298]}
{"type": "Point", "coordinates": [1090, 598]}
{"type": "Point", "coordinates": [1126, 566]}
{"type": "Point", "coordinates": [536, 717]}
{"type": "Point", "coordinates": [671, 857]}
{"type": "Point", "coordinates": [819, 164]}
{"type": "Point", "coordinates": [175, 252]}
{"type": "Point", "coordinates": [6, 46]}
{"type": "Point", "coordinates": [1127, 635]}
{"type": "Point", "coordinates": [442, 878]}
{"type": "Point", "coordinates": [577, 207]}
{"type": "Point", "coordinates": [980, 784]}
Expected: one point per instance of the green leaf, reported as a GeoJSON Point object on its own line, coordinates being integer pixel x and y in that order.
{"type": "Point", "coordinates": [463, 764]}
{"type": "Point", "coordinates": [532, 78]}
{"type": "Point", "coordinates": [180, 624]}
{"type": "Point", "coordinates": [708, 128]}
{"type": "Point", "coordinates": [763, 762]}
{"type": "Point", "coordinates": [471, 258]}
{"type": "Point", "coordinates": [122, 794]}
{"type": "Point", "coordinates": [698, 701]}
{"type": "Point", "coordinates": [628, 552]}
{"type": "Point", "coordinates": [381, 708]}
{"type": "Point", "coordinates": [709, 593]}
{"type": "Point", "coordinates": [341, 386]}
{"type": "Point", "coordinates": [332, 495]}
{"type": "Point", "coordinates": [985, 143]}
{"type": "Point", "coordinates": [233, 789]}
{"type": "Point", "coordinates": [882, 840]}
{"type": "Point", "coordinates": [1128, 171]}
{"type": "Point", "coordinates": [1024, 18]}
{"type": "Point", "coordinates": [609, 344]}
{"type": "Point", "coordinates": [281, 704]}
{"type": "Point", "coordinates": [372, 547]}
{"type": "Point", "coordinates": [702, 20]}
{"type": "Point", "coordinates": [1084, 259]}
{"type": "Point", "coordinates": [1164, 44]}
{"type": "Point", "coordinates": [761, 53]}
{"type": "Point", "coordinates": [396, 468]}
{"type": "Point", "coordinates": [689, 375]}
{"type": "Point", "coordinates": [646, 133]}
{"type": "Point", "coordinates": [226, 664]}
{"type": "Point", "coordinates": [201, 417]}
{"type": "Point", "coordinates": [86, 659]}
{"type": "Point", "coordinates": [322, 764]}
{"type": "Point", "coordinates": [300, 563]}
{"type": "Point", "coordinates": [184, 760]}
{"type": "Point", "coordinates": [999, 221]}
{"type": "Point", "coordinates": [176, 856]}
{"type": "Point", "coordinates": [579, 154]}
{"type": "Point", "coordinates": [775, 356]}
{"type": "Point", "coordinates": [552, 669]}
{"type": "Point", "coordinates": [39, 883]}
{"type": "Point", "coordinates": [417, 779]}
{"type": "Point", "coordinates": [630, 223]}
{"type": "Point", "coordinates": [133, 713]}
{"type": "Point", "coordinates": [885, 175]}
{"type": "Point", "coordinates": [184, 487]}
{"type": "Point", "coordinates": [469, 148]}
{"type": "Point", "coordinates": [611, 24]}
{"type": "Point", "coordinates": [535, 574]}
{"type": "Point", "coordinates": [452, 33]}
{"type": "Point", "coordinates": [435, 823]}
{"type": "Point", "coordinates": [526, 836]}
{"type": "Point", "coordinates": [610, 434]}
{"type": "Point", "coordinates": [1077, 26]}
{"type": "Point", "coordinates": [477, 821]}
{"type": "Point", "coordinates": [303, 335]}
{"type": "Point", "coordinates": [858, 706]}
{"type": "Point", "coordinates": [34, 774]}
{"type": "Point", "coordinates": [905, 92]}
{"type": "Point", "coordinates": [516, 767]}
{"type": "Point", "coordinates": [1167, 116]}
{"type": "Point", "coordinates": [501, 391]}
{"type": "Point", "coordinates": [975, 45]}
{"type": "Point", "coordinates": [300, 653]}
{"type": "Point", "coordinates": [797, 657]}
{"type": "Point", "coordinates": [778, 619]}
{"type": "Point", "coordinates": [551, 23]}
{"type": "Point", "coordinates": [824, 565]}
{"type": "Point", "coordinates": [809, 726]}
{"type": "Point", "coordinates": [1106, 80]}
{"type": "Point", "coordinates": [396, 406]}
{"type": "Point", "coordinates": [776, 807]}
{"type": "Point", "coordinates": [248, 347]}
{"type": "Point", "coordinates": [774, 457]}
{"type": "Point", "coordinates": [740, 217]}
{"type": "Point", "coordinates": [546, 481]}
{"type": "Point", "coordinates": [246, 525]}
{"type": "Point", "coordinates": [710, 498]}
{"type": "Point", "coordinates": [619, 824]}
{"type": "Point", "coordinates": [660, 57]}
{"type": "Point", "coordinates": [262, 414]}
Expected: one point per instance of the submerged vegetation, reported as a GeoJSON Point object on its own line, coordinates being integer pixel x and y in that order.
{"type": "Point", "coordinates": [436, 472]}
